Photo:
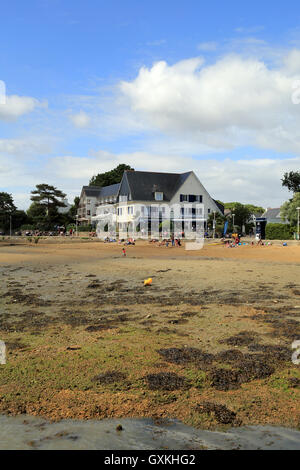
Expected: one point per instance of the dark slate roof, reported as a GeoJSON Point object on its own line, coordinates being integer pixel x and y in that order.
{"type": "Point", "coordinates": [219, 205]}
{"type": "Point", "coordinates": [99, 192]}
{"type": "Point", "coordinates": [144, 184]}
{"type": "Point", "coordinates": [112, 190]}
{"type": "Point", "coordinates": [273, 216]}
{"type": "Point", "coordinates": [91, 191]}
{"type": "Point", "coordinates": [272, 213]}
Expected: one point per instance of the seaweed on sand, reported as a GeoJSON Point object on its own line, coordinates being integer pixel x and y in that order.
{"type": "Point", "coordinates": [222, 414]}
{"type": "Point", "coordinates": [166, 381]}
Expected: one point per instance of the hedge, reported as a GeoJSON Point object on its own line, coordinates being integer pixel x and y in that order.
{"type": "Point", "coordinates": [279, 232]}
{"type": "Point", "coordinates": [86, 228]}
{"type": "Point", "coordinates": [28, 227]}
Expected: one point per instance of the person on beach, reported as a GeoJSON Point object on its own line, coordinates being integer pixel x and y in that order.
{"type": "Point", "coordinates": [124, 251]}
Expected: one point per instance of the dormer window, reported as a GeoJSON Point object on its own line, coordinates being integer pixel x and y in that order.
{"type": "Point", "coordinates": [159, 196]}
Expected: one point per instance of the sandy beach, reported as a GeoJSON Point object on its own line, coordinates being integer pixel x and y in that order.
{"type": "Point", "coordinates": [209, 342]}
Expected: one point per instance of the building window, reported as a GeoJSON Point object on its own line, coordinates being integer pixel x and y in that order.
{"type": "Point", "coordinates": [88, 212]}
{"type": "Point", "coordinates": [159, 196]}
{"type": "Point", "coordinates": [183, 197]}
{"type": "Point", "coordinates": [208, 211]}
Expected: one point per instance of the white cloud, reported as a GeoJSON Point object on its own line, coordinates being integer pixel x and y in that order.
{"type": "Point", "coordinates": [207, 46]}
{"type": "Point", "coordinates": [246, 180]}
{"type": "Point", "coordinates": [25, 146]}
{"type": "Point", "coordinates": [16, 106]}
{"type": "Point", "coordinates": [234, 102]}
{"type": "Point", "coordinates": [247, 30]}
{"type": "Point", "coordinates": [81, 120]}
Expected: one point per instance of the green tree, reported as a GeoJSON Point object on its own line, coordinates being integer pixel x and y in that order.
{"type": "Point", "coordinates": [47, 200]}
{"type": "Point", "coordinates": [73, 210]}
{"type": "Point", "coordinates": [288, 210]}
{"type": "Point", "coordinates": [7, 209]}
{"type": "Point", "coordinates": [19, 218]}
{"type": "Point", "coordinates": [291, 181]}
{"type": "Point", "coordinates": [220, 221]}
{"type": "Point", "coordinates": [230, 205]}
{"type": "Point", "coordinates": [255, 209]}
{"type": "Point", "coordinates": [110, 177]}
{"type": "Point", "coordinates": [241, 214]}
{"type": "Point", "coordinates": [36, 214]}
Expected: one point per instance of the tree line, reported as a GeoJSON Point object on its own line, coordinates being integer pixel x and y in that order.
{"type": "Point", "coordinates": [43, 213]}
{"type": "Point", "coordinates": [46, 201]}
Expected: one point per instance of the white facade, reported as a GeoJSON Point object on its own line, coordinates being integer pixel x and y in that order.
{"type": "Point", "coordinates": [87, 208]}
{"type": "Point", "coordinates": [190, 199]}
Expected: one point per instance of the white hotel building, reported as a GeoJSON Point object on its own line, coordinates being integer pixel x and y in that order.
{"type": "Point", "coordinates": [142, 196]}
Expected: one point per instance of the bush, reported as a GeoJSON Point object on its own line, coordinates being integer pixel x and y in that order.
{"type": "Point", "coordinates": [86, 228]}
{"type": "Point", "coordinates": [27, 227]}
{"type": "Point", "coordinates": [279, 232]}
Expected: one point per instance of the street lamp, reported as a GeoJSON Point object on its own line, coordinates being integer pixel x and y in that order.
{"type": "Point", "coordinates": [76, 216]}
{"type": "Point", "coordinates": [10, 225]}
{"type": "Point", "coordinates": [214, 224]}
{"type": "Point", "coordinates": [298, 209]}
{"type": "Point", "coordinates": [233, 222]}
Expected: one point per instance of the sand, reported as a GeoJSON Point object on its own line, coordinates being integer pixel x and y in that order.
{"type": "Point", "coordinates": [72, 312]}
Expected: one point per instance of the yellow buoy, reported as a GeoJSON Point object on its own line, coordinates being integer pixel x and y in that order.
{"type": "Point", "coordinates": [148, 282]}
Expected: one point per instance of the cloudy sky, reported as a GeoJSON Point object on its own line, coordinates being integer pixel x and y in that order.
{"type": "Point", "coordinates": [167, 85]}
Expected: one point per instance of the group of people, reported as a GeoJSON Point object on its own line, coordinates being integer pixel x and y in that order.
{"type": "Point", "coordinates": [167, 242]}
{"type": "Point", "coordinates": [236, 241]}
{"type": "Point", "coordinates": [130, 241]}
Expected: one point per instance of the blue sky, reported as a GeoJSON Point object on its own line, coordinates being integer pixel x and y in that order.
{"type": "Point", "coordinates": [161, 85]}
